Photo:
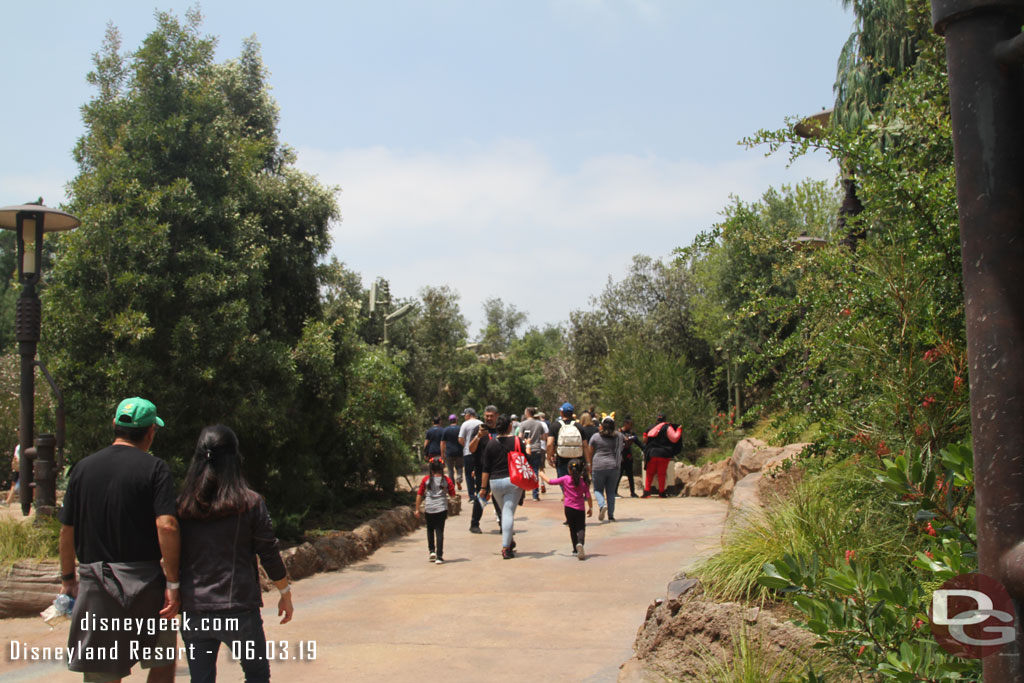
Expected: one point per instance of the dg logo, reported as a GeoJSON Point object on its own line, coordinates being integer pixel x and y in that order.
{"type": "Point", "coordinates": [972, 616]}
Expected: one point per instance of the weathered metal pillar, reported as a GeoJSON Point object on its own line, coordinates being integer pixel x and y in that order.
{"type": "Point", "coordinates": [986, 84]}
{"type": "Point", "coordinates": [27, 320]}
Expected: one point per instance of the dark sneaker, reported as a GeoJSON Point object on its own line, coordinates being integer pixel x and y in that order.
{"type": "Point", "coordinates": [475, 529]}
{"type": "Point", "coordinates": [647, 494]}
{"type": "Point", "coordinates": [633, 495]}
{"type": "Point", "coordinates": [611, 517]}
{"type": "Point", "coordinates": [507, 554]}
{"type": "Point", "coordinates": [662, 495]}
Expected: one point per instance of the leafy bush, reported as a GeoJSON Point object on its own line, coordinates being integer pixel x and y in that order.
{"type": "Point", "coordinates": [643, 381]}
{"type": "Point", "coordinates": [870, 611]}
{"type": "Point", "coordinates": [825, 516]}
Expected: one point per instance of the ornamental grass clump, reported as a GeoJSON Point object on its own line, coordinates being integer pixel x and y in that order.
{"type": "Point", "coordinates": [826, 515]}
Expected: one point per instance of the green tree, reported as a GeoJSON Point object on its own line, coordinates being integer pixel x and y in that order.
{"type": "Point", "coordinates": [884, 43]}
{"type": "Point", "coordinates": [501, 325]}
{"type": "Point", "coordinates": [194, 278]}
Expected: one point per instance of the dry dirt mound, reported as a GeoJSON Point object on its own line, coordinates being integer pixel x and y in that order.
{"type": "Point", "coordinates": [680, 635]}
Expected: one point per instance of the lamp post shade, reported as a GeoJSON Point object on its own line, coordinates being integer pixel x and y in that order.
{"type": "Point", "coordinates": [54, 220]}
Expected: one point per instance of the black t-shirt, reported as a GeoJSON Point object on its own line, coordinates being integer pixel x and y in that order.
{"type": "Point", "coordinates": [113, 499]}
{"type": "Point", "coordinates": [450, 437]}
{"type": "Point", "coordinates": [434, 436]}
{"type": "Point", "coordinates": [496, 456]}
{"type": "Point", "coordinates": [486, 437]}
{"type": "Point", "coordinates": [588, 431]}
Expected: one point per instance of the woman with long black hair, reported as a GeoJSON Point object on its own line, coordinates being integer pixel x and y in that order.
{"type": "Point", "coordinates": [225, 525]}
{"type": "Point", "coordinates": [497, 480]}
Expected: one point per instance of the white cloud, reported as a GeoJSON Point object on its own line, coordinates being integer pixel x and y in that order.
{"type": "Point", "coordinates": [505, 221]}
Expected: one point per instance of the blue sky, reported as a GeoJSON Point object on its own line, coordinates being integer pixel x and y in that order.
{"type": "Point", "coordinates": [524, 150]}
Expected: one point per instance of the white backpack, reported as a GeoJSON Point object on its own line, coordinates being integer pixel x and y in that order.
{"type": "Point", "coordinates": [570, 441]}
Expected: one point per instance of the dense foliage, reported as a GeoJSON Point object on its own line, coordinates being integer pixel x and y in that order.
{"type": "Point", "coordinates": [195, 279]}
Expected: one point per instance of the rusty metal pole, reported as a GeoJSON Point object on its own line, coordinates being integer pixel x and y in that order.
{"type": "Point", "coordinates": [27, 320]}
{"type": "Point", "coordinates": [986, 85]}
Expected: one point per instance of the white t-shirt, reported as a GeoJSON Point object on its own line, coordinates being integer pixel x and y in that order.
{"type": "Point", "coordinates": [466, 433]}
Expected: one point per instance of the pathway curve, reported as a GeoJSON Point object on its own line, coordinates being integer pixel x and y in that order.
{"type": "Point", "coordinates": [541, 616]}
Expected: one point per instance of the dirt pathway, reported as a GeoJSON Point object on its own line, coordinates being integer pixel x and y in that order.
{"type": "Point", "coordinates": [541, 616]}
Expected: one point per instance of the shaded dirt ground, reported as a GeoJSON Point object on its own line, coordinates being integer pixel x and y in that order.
{"type": "Point", "coordinates": [541, 616]}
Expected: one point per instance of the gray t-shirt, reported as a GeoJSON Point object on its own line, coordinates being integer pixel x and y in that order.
{"type": "Point", "coordinates": [607, 451]}
{"type": "Point", "coordinates": [466, 432]}
{"type": "Point", "coordinates": [538, 433]}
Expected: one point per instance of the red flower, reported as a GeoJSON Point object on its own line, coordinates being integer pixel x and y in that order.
{"type": "Point", "coordinates": [928, 554]}
{"type": "Point", "coordinates": [920, 429]}
{"type": "Point", "coordinates": [861, 649]}
{"type": "Point", "coordinates": [931, 530]}
{"type": "Point", "coordinates": [850, 556]}
{"type": "Point", "coordinates": [932, 355]}
{"type": "Point", "coordinates": [882, 449]}
{"type": "Point", "coordinates": [918, 624]}
{"type": "Point", "coordinates": [845, 312]}
{"type": "Point", "coordinates": [958, 383]}
{"type": "Point", "coordinates": [928, 401]}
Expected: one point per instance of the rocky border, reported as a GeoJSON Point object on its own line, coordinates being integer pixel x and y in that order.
{"type": "Point", "coordinates": [683, 631]}
{"type": "Point", "coordinates": [30, 585]}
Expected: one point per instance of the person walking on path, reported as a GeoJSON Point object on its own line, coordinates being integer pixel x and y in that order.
{"type": "Point", "coordinates": [628, 439]}
{"type": "Point", "coordinates": [15, 473]}
{"type": "Point", "coordinates": [118, 519]}
{"type": "Point", "coordinates": [496, 480]}
{"type": "Point", "coordinates": [661, 441]}
{"type": "Point", "coordinates": [225, 526]}
{"type": "Point", "coordinates": [478, 444]}
{"type": "Point", "coordinates": [576, 489]}
{"type": "Point", "coordinates": [453, 451]}
{"type": "Point", "coordinates": [534, 434]}
{"type": "Point", "coordinates": [565, 442]}
{"type": "Point", "coordinates": [467, 431]}
{"type": "Point", "coordinates": [606, 445]}
{"type": "Point", "coordinates": [432, 444]}
{"type": "Point", "coordinates": [433, 495]}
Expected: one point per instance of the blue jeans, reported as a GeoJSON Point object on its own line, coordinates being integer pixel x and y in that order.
{"type": "Point", "coordinates": [605, 483]}
{"type": "Point", "coordinates": [562, 466]}
{"type": "Point", "coordinates": [506, 495]}
{"type": "Point", "coordinates": [204, 644]}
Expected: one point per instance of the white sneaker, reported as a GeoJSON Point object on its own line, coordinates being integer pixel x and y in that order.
{"type": "Point", "coordinates": [433, 556]}
{"type": "Point", "coordinates": [600, 514]}
{"type": "Point", "coordinates": [439, 561]}
{"type": "Point", "coordinates": [580, 553]}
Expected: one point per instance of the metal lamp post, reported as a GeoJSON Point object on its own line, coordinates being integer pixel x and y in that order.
{"type": "Point", "coordinates": [30, 222]}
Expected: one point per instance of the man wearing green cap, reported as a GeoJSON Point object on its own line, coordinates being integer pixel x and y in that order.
{"type": "Point", "coordinates": [119, 521]}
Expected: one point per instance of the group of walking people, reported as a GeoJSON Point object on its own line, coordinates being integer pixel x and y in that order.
{"type": "Point", "coordinates": [144, 553]}
{"type": "Point", "coordinates": [583, 454]}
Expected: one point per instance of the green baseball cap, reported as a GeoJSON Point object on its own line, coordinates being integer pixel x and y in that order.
{"type": "Point", "coordinates": [136, 412]}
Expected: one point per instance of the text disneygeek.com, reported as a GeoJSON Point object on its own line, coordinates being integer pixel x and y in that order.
{"type": "Point", "coordinates": [123, 641]}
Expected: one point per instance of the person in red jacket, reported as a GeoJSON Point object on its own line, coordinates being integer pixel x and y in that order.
{"type": "Point", "coordinates": [660, 447]}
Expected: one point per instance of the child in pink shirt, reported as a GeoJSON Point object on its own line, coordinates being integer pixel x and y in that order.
{"type": "Point", "coordinates": [575, 489]}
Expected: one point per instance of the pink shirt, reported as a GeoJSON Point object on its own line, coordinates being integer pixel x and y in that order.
{"type": "Point", "coordinates": [574, 495]}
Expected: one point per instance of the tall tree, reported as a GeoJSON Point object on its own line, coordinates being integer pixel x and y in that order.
{"type": "Point", "coordinates": [194, 274]}
{"type": "Point", "coordinates": [884, 43]}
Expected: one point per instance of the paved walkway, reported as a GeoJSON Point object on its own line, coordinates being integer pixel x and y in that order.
{"type": "Point", "coordinates": [541, 616]}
